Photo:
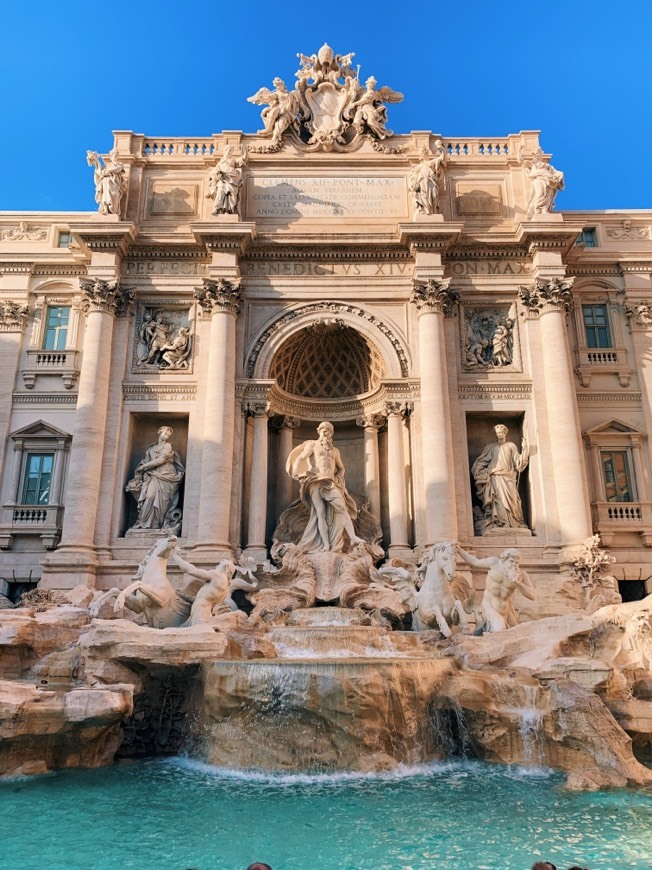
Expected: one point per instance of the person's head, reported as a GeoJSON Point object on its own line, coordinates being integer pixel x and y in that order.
{"type": "Point", "coordinates": [165, 433]}
{"type": "Point", "coordinates": [512, 556]}
{"type": "Point", "coordinates": [259, 866]}
{"type": "Point", "coordinates": [501, 431]}
{"type": "Point", "coordinates": [279, 84]}
{"type": "Point", "coordinates": [326, 430]}
{"type": "Point", "coordinates": [370, 84]}
{"type": "Point", "coordinates": [543, 865]}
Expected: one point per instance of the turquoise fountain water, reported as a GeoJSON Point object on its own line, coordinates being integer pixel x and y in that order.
{"type": "Point", "coordinates": [176, 814]}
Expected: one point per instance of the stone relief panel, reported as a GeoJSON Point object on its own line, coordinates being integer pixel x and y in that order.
{"type": "Point", "coordinates": [479, 199]}
{"type": "Point", "coordinates": [164, 338]}
{"type": "Point", "coordinates": [490, 338]}
{"type": "Point", "coordinates": [172, 200]}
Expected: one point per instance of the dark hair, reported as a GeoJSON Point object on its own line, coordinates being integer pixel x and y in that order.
{"type": "Point", "coordinates": [257, 865]}
{"type": "Point", "coordinates": [543, 865]}
{"type": "Point", "coordinates": [575, 867]}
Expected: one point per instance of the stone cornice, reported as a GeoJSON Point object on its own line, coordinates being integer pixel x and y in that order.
{"type": "Point", "coordinates": [325, 253]}
{"type": "Point", "coordinates": [611, 270]}
{"type": "Point", "coordinates": [621, 396]}
{"type": "Point", "coordinates": [59, 270]}
{"type": "Point", "coordinates": [16, 267]}
{"type": "Point", "coordinates": [224, 235]}
{"type": "Point", "coordinates": [166, 252]}
{"type": "Point", "coordinates": [105, 237]}
{"type": "Point", "coordinates": [220, 295]}
{"type": "Point", "coordinates": [158, 392]}
{"type": "Point", "coordinates": [106, 296]}
{"type": "Point", "coordinates": [433, 295]}
{"type": "Point", "coordinates": [635, 265]}
{"type": "Point", "coordinates": [488, 390]}
{"type": "Point", "coordinates": [486, 252]}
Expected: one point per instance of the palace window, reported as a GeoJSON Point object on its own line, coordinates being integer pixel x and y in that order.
{"type": "Point", "coordinates": [38, 478]}
{"type": "Point", "coordinates": [64, 239]}
{"type": "Point", "coordinates": [617, 475]}
{"type": "Point", "coordinates": [596, 326]}
{"type": "Point", "coordinates": [588, 238]}
{"type": "Point", "coordinates": [56, 327]}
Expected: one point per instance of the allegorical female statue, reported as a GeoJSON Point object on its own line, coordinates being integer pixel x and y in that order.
{"type": "Point", "coordinates": [155, 485]}
{"type": "Point", "coordinates": [495, 473]}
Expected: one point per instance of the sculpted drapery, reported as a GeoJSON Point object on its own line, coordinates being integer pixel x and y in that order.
{"type": "Point", "coordinates": [156, 483]}
{"type": "Point", "coordinates": [495, 473]}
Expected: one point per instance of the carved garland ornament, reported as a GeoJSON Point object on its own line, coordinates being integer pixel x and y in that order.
{"type": "Point", "coordinates": [109, 296]}
{"type": "Point", "coordinates": [336, 308]}
{"type": "Point", "coordinates": [548, 295]}
{"type": "Point", "coordinates": [434, 296]}
{"type": "Point", "coordinates": [13, 316]}
{"type": "Point", "coordinates": [220, 295]}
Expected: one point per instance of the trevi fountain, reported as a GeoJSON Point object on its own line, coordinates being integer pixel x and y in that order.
{"type": "Point", "coordinates": [384, 667]}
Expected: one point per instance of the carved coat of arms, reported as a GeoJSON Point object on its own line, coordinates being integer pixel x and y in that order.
{"type": "Point", "coordinates": [329, 108]}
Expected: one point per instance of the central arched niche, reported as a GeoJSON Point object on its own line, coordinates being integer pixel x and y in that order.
{"type": "Point", "coordinates": [323, 362]}
{"type": "Point", "coordinates": [327, 360]}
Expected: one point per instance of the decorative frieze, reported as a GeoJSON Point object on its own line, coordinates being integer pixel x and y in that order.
{"type": "Point", "coordinates": [13, 316]}
{"type": "Point", "coordinates": [44, 399]}
{"type": "Point", "coordinates": [434, 296]}
{"type": "Point", "coordinates": [109, 296]}
{"type": "Point", "coordinates": [625, 230]}
{"type": "Point", "coordinates": [159, 392]}
{"type": "Point", "coordinates": [621, 397]}
{"type": "Point", "coordinates": [23, 232]}
{"type": "Point", "coordinates": [220, 295]}
{"type": "Point", "coordinates": [542, 296]}
{"type": "Point", "coordinates": [495, 391]}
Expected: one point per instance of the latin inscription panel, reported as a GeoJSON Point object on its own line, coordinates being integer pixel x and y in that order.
{"type": "Point", "coordinates": [288, 198]}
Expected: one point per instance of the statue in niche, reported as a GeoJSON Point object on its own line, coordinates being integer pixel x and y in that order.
{"type": "Point", "coordinates": [225, 181]}
{"type": "Point", "coordinates": [489, 338]}
{"type": "Point", "coordinates": [496, 472]}
{"type": "Point", "coordinates": [318, 466]}
{"type": "Point", "coordinates": [546, 183]}
{"type": "Point", "coordinates": [155, 485]}
{"type": "Point", "coordinates": [110, 181]}
{"type": "Point", "coordinates": [496, 610]}
{"type": "Point", "coordinates": [282, 109]}
{"type": "Point", "coordinates": [427, 180]}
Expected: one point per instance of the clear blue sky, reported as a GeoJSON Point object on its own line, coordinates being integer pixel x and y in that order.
{"type": "Point", "coordinates": [70, 72]}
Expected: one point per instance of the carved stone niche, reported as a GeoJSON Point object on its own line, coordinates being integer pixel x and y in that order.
{"type": "Point", "coordinates": [164, 338]}
{"type": "Point", "coordinates": [144, 432]}
{"type": "Point", "coordinates": [488, 515]}
{"type": "Point", "coordinates": [489, 338]}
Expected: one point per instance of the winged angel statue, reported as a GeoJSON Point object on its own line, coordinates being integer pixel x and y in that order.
{"type": "Point", "coordinates": [329, 107]}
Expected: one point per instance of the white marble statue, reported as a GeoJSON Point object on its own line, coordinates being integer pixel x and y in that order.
{"type": "Point", "coordinates": [151, 592]}
{"type": "Point", "coordinates": [426, 180]}
{"type": "Point", "coordinates": [496, 610]}
{"type": "Point", "coordinates": [317, 465]}
{"type": "Point", "coordinates": [281, 112]}
{"type": "Point", "coordinates": [110, 181]}
{"type": "Point", "coordinates": [155, 485]}
{"type": "Point", "coordinates": [546, 182]}
{"type": "Point", "coordinates": [369, 113]}
{"type": "Point", "coordinates": [438, 597]}
{"type": "Point", "coordinates": [495, 473]}
{"type": "Point", "coordinates": [225, 181]}
{"type": "Point", "coordinates": [219, 583]}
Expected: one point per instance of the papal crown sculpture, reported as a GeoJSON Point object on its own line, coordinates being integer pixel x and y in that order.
{"type": "Point", "coordinates": [329, 108]}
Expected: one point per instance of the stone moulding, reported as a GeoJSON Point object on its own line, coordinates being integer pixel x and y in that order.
{"type": "Point", "coordinates": [159, 392]}
{"type": "Point", "coordinates": [265, 344]}
{"type": "Point", "coordinates": [495, 391]}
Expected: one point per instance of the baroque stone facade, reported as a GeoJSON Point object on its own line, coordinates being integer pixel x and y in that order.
{"type": "Point", "coordinates": [417, 291]}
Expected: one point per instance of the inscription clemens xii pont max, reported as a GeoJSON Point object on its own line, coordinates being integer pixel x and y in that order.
{"type": "Point", "coordinates": [325, 196]}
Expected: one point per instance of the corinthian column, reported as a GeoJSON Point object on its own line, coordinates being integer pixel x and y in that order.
{"type": "Point", "coordinates": [13, 317]}
{"type": "Point", "coordinates": [550, 300]}
{"type": "Point", "coordinates": [396, 482]}
{"type": "Point", "coordinates": [371, 424]}
{"type": "Point", "coordinates": [219, 300]}
{"type": "Point", "coordinates": [101, 302]}
{"type": "Point", "coordinates": [434, 301]}
{"type": "Point", "coordinates": [284, 426]}
{"type": "Point", "coordinates": [258, 481]}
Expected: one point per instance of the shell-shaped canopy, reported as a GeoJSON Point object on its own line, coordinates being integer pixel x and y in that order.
{"type": "Point", "coordinates": [327, 361]}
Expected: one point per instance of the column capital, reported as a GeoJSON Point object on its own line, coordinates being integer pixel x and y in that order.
{"type": "Point", "coordinates": [13, 316]}
{"type": "Point", "coordinates": [109, 296]}
{"type": "Point", "coordinates": [399, 409]}
{"type": "Point", "coordinates": [256, 409]}
{"type": "Point", "coordinates": [220, 295]}
{"type": "Point", "coordinates": [373, 422]}
{"type": "Point", "coordinates": [639, 313]}
{"type": "Point", "coordinates": [435, 296]}
{"type": "Point", "coordinates": [285, 422]}
{"type": "Point", "coordinates": [551, 295]}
